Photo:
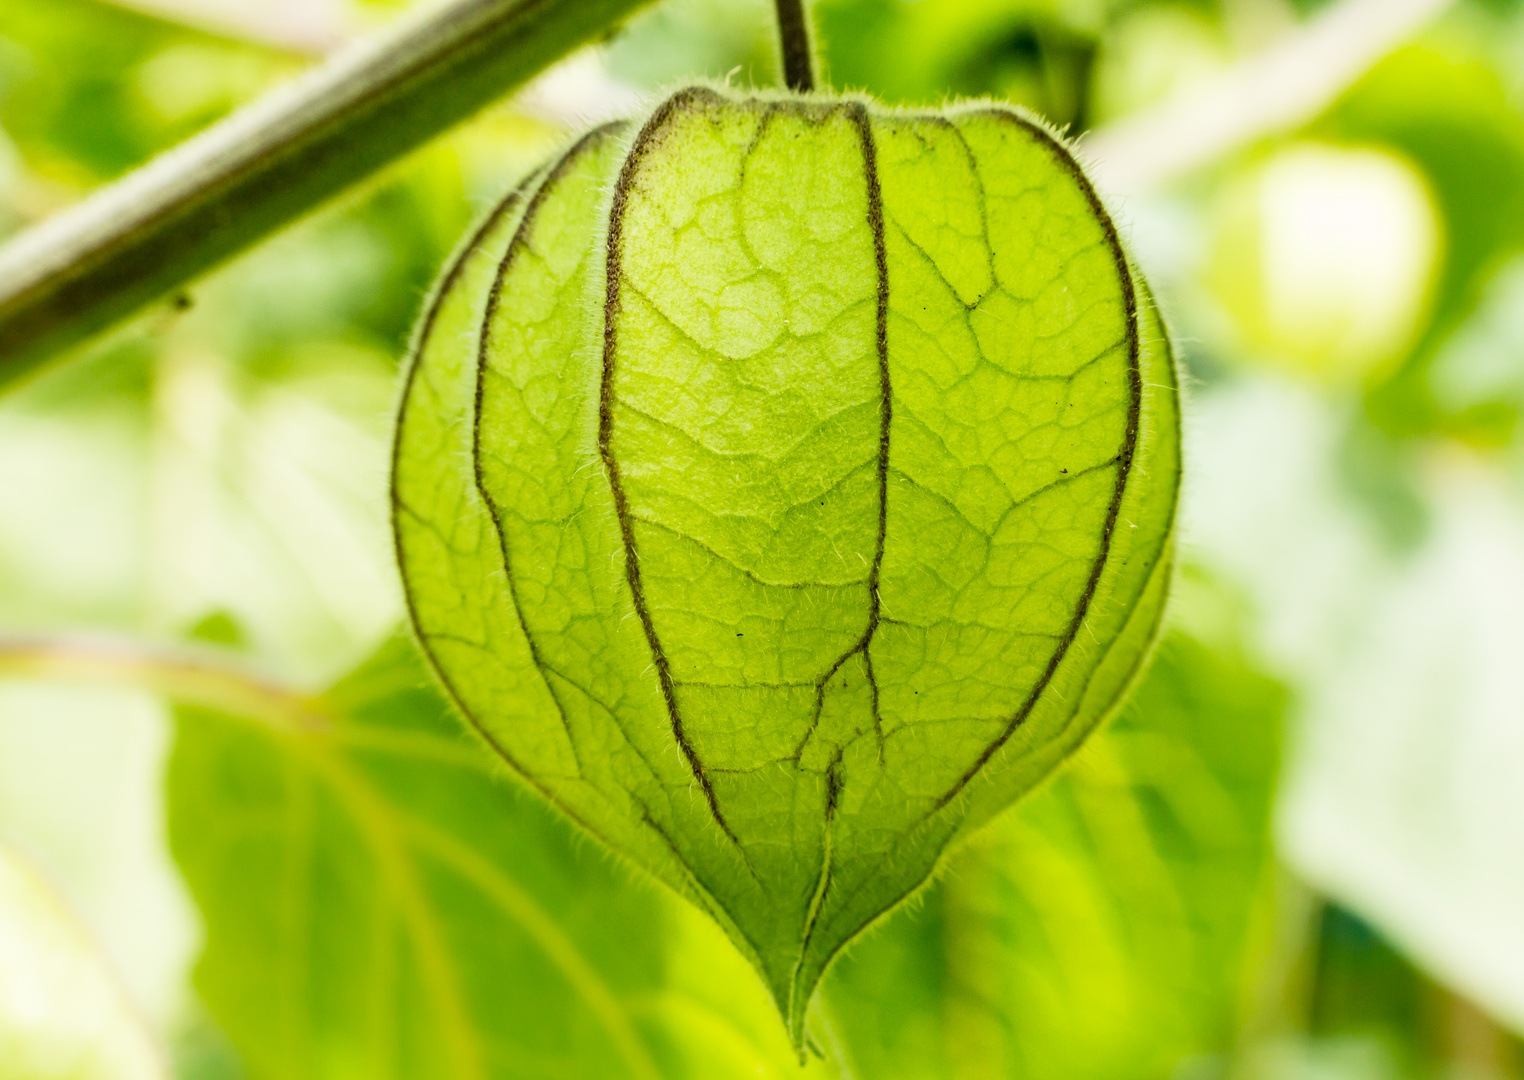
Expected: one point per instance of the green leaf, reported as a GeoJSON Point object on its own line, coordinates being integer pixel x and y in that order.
{"type": "Point", "coordinates": [346, 911]}
{"type": "Point", "coordinates": [787, 512]}
{"type": "Point", "coordinates": [1105, 928]}
{"type": "Point", "coordinates": [62, 1014]}
{"type": "Point", "coordinates": [378, 903]}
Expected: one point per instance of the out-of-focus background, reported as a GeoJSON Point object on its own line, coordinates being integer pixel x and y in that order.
{"type": "Point", "coordinates": [1297, 855]}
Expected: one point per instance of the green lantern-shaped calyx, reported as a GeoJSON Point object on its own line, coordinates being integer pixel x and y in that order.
{"type": "Point", "coordinates": [783, 487]}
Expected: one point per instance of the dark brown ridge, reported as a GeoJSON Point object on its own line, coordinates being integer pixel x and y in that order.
{"type": "Point", "coordinates": [859, 114]}
{"type": "Point", "coordinates": [452, 274]}
{"type": "Point", "coordinates": [611, 305]}
{"type": "Point", "coordinates": [1129, 441]}
{"type": "Point", "coordinates": [861, 120]}
{"type": "Point", "coordinates": [515, 247]}
{"type": "Point", "coordinates": [1124, 459]}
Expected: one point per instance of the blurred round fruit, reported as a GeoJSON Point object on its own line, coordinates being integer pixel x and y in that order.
{"type": "Point", "coordinates": [1323, 261]}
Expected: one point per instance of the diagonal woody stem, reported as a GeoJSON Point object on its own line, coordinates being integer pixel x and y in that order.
{"type": "Point", "coordinates": [81, 272]}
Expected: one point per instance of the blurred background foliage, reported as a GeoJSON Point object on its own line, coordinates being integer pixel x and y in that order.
{"type": "Point", "coordinates": [242, 837]}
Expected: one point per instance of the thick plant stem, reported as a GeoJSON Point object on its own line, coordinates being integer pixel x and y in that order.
{"type": "Point", "coordinates": [141, 238]}
{"type": "Point", "coordinates": [798, 48]}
